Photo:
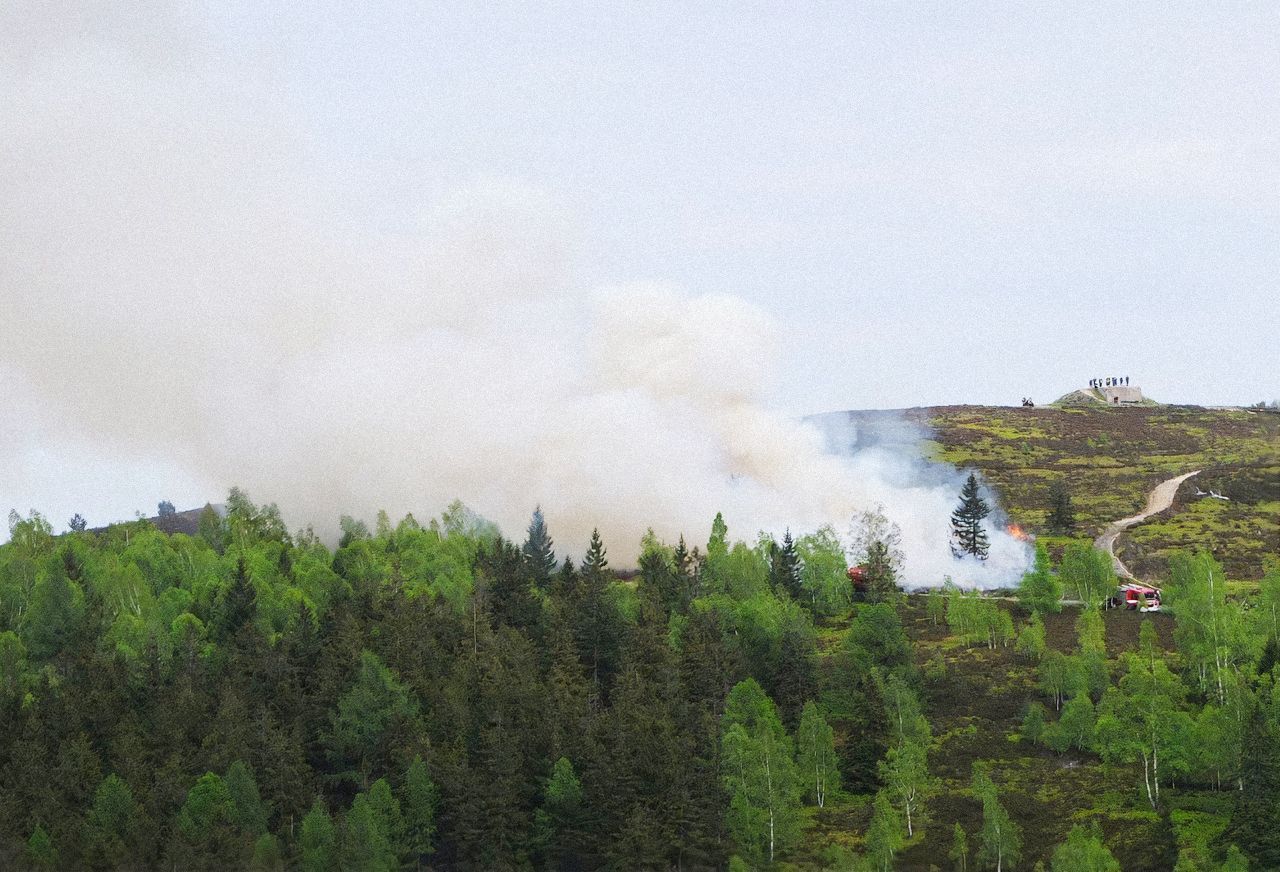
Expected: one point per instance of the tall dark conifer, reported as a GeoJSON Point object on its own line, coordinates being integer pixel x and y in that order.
{"type": "Point", "coordinates": [239, 603]}
{"type": "Point", "coordinates": [509, 585]}
{"type": "Point", "coordinates": [784, 568]}
{"type": "Point", "coordinates": [539, 551]}
{"type": "Point", "coordinates": [1255, 822]}
{"type": "Point", "coordinates": [1062, 514]}
{"type": "Point", "coordinates": [599, 626]}
{"type": "Point", "coordinates": [967, 533]}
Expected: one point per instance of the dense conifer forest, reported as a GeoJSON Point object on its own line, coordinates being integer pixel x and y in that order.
{"type": "Point", "coordinates": [433, 695]}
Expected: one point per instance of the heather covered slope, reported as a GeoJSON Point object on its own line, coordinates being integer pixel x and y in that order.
{"type": "Point", "coordinates": [1111, 458]}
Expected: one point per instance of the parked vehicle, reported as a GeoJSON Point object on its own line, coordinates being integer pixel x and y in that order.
{"type": "Point", "coordinates": [858, 577]}
{"type": "Point", "coordinates": [1136, 596]}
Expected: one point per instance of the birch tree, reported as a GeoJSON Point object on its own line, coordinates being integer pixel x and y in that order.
{"type": "Point", "coordinates": [1209, 631]}
{"type": "Point", "coordinates": [905, 772]}
{"type": "Point", "coordinates": [759, 774]}
{"type": "Point", "coordinates": [816, 754]}
{"type": "Point", "coordinates": [1141, 718]}
{"type": "Point", "coordinates": [1000, 837]}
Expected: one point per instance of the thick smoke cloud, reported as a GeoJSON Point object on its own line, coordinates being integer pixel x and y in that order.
{"type": "Point", "coordinates": [176, 283]}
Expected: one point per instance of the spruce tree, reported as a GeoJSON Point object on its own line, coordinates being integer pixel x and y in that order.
{"type": "Point", "coordinates": [538, 550]}
{"type": "Point", "coordinates": [598, 627]}
{"type": "Point", "coordinates": [558, 821]}
{"type": "Point", "coordinates": [247, 812]}
{"type": "Point", "coordinates": [419, 800]}
{"type": "Point", "coordinates": [239, 604]}
{"type": "Point", "coordinates": [1255, 821]}
{"type": "Point", "coordinates": [784, 568]}
{"type": "Point", "coordinates": [595, 561]}
{"type": "Point", "coordinates": [1062, 515]}
{"type": "Point", "coordinates": [967, 533]}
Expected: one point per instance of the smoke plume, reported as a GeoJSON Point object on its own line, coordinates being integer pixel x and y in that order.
{"type": "Point", "coordinates": [180, 280]}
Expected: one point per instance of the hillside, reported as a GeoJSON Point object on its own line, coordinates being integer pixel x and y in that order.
{"type": "Point", "coordinates": [1111, 457]}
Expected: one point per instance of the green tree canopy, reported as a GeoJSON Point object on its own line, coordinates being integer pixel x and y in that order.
{"type": "Point", "coordinates": [1084, 851]}
{"type": "Point", "coordinates": [759, 775]}
{"type": "Point", "coordinates": [318, 839]}
{"type": "Point", "coordinates": [816, 755]}
{"type": "Point", "coordinates": [359, 725]}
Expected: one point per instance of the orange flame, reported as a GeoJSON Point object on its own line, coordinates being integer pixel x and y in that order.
{"type": "Point", "coordinates": [1018, 533]}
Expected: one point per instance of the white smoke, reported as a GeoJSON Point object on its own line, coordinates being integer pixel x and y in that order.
{"type": "Point", "coordinates": [175, 284]}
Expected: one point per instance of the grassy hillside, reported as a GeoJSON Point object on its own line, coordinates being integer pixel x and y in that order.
{"type": "Point", "coordinates": [975, 707]}
{"type": "Point", "coordinates": [1110, 458]}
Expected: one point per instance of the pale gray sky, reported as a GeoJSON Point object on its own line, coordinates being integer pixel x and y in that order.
{"type": "Point", "coordinates": [933, 203]}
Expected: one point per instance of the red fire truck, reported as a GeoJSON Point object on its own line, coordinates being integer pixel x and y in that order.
{"type": "Point", "coordinates": [1136, 596]}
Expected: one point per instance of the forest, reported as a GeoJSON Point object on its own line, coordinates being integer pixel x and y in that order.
{"type": "Point", "coordinates": [436, 696]}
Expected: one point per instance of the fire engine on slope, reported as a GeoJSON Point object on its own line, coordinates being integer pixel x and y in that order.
{"type": "Point", "coordinates": [858, 577]}
{"type": "Point", "coordinates": [1136, 596]}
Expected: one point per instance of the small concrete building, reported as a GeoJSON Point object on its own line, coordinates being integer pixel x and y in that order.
{"type": "Point", "coordinates": [1121, 395]}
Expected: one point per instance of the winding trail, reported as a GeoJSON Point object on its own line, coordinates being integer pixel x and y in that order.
{"type": "Point", "coordinates": [1160, 498]}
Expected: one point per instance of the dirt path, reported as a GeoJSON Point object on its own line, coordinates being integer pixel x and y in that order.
{"type": "Point", "coordinates": [1160, 498]}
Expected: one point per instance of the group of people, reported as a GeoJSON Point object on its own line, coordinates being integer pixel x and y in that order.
{"type": "Point", "coordinates": [1112, 382]}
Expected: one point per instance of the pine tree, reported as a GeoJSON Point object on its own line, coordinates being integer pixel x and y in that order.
{"type": "Point", "coordinates": [599, 627]}
{"type": "Point", "coordinates": [595, 561]}
{"type": "Point", "coordinates": [238, 605]}
{"type": "Point", "coordinates": [510, 584]}
{"type": "Point", "coordinates": [539, 551]}
{"type": "Point", "coordinates": [77, 524]}
{"type": "Point", "coordinates": [794, 679]}
{"type": "Point", "coordinates": [967, 533]}
{"type": "Point", "coordinates": [1062, 515]}
{"type": "Point", "coordinates": [681, 558]}
{"type": "Point", "coordinates": [784, 569]}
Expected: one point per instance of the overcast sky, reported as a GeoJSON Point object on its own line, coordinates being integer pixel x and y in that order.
{"type": "Point", "coordinates": [932, 203]}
